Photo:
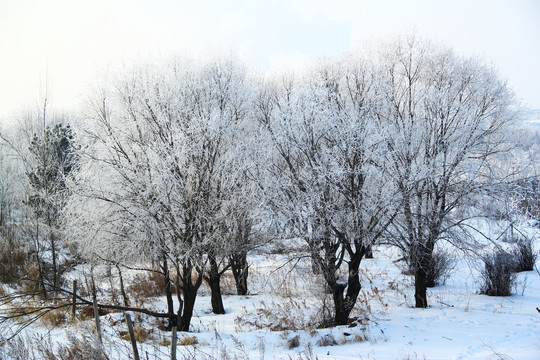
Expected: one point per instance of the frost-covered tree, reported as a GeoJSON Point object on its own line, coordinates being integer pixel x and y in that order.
{"type": "Point", "coordinates": [158, 169]}
{"type": "Point", "coordinates": [445, 119]}
{"type": "Point", "coordinates": [325, 175]}
{"type": "Point", "coordinates": [12, 248]}
{"type": "Point", "coordinates": [240, 220]}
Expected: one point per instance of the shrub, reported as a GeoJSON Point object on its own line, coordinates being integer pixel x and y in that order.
{"type": "Point", "coordinates": [498, 274]}
{"type": "Point", "coordinates": [439, 269]}
{"type": "Point", "coordinates": [293, 342]}
{"type": "Point", "coordinates": [525, 256]}
{"type": "Point", "coordinates": [327, 340]}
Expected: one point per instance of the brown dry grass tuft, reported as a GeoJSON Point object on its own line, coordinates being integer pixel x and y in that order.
{"type": "Point", "coordinates": [141, 334]}
{"type": "Point", "coordinates": [189, 340]}
{"type": "Point", "coordinates": [148, 285]}
{"type": "Point", "coordinates": [55, 317]}
{"type": "Point", "coordinates": [86, 312]}
{"type": "Point", "coordinates": [12, 264]}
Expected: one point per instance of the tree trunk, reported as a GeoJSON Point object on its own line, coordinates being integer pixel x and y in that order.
{"type": "Point", "coordinates": [344, 305]}
{"type": "Point", "coordinates": [420, 289]}
{"type": "Point", "coordinates": [424, 254]}
{"type": "Point", "coordinates": [240, 270]}
{"type": "Point", "coordinates": [168, 295]}
{"type": "Point", "coordinates": [341, 315]}
{"type": "Point", "coordinates": [190, 295]}
{"type": "Point", "coordinates": [189, 290]}
{"type": "Point", "coordinates": [122, 287]}
{"type": "Point", "coordinates": [216, 298]}
{"type": "Point", "coordinates": [40, 281]}
{"type": "Point", "coordinates": [56, 273]}
{"type": "Point", "coordinates": [213, 279]}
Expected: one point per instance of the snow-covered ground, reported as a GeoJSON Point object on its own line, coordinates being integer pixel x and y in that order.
{"type": "Point", "coordinates": [459, 324]}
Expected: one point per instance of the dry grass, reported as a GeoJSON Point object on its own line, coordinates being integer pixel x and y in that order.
{"type": "Point", "coordinates": [20, 312]}
{"type": "Point", "coordinates": [86, 312]}
{"type": "Point", "coordinates": [141, 334]}
{"type": "Point", "coordinates": [188, 340]}
{"type": "Point", "coordinates": [147, 285]}
{"type": "Point", "coordinates": [288, 315]}
{"type": "Point", "coordinates": [353, 339]}
{"type": "Point", "coordinates": [31, 276]}
{"type": "Point", "coordinates": [33, 310]}
{"type": "Point", "coordinates": [55, 317]}
{"type": "Point", "coordinates": [327, 340]}
{"type": "Point", "coordinates": [12, 264]}
{"type": "Point", "coordinates": [228, 284]}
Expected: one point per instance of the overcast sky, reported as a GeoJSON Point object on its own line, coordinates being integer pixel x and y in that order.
{"type": "Point", "coordinates": [72, 41]}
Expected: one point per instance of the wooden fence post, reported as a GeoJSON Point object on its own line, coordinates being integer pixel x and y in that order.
{"type": "Point", "coordinates": [173, 343]}
{"type": "Point", "coordinates": [132, 336]}
{"type": "Point", "coordinates": [74, 307]}
{"type": "Point", "coordinates": [96, 310]}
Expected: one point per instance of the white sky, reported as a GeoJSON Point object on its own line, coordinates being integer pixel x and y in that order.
{"type": "Point", "coordinates": [70, 42]}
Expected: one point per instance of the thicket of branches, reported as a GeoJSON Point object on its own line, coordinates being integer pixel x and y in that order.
{"type": "Point", "coordinates": [182, 168]}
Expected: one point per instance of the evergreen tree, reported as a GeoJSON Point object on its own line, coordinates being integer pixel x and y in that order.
{"type": "Point", "coordinates": [54, 159]}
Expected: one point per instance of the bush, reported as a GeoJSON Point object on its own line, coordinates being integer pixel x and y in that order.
{"type": "Point", "coordinates": [525, 256]}
{"type": "Point", "coordinates": [293, 342]}
{"type": "Point", "coordinates": [439, 269]}
{"type": "Point", "coordinates": [327, 340]}
{"type": "Point", "coordinates": [498, 274]}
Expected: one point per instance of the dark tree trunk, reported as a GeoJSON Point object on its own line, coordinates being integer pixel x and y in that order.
{"type": "Point", "coordinates": [122, 287]}
{"type": "Point", "coordinates": [425, 253]}
{"type": "Point", "coordinates": [240, 270]}
{"type": "Point", "coordinates": [40, 281]}
{"type": "Point", "coordinates": [344, 305]}
{"type": "Point", "coordinates": [56, 273]}
{"type": "Point", "coordinates": [114, 296]}
{"type": "Point", "coordinates": [187, 311]}
{"type": "Point", "coordinates": [216, 298]}
{"type": "Point", "coordinates": [420, 289]}
{"type": "Point", "coordinates": [168, 295]}
{"type": "Point", "coordinates": [189, 291]}
{"type": "Point", "coordinates": [341, 315]}
{"type": "Point", "coordinates": [213, 279]}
